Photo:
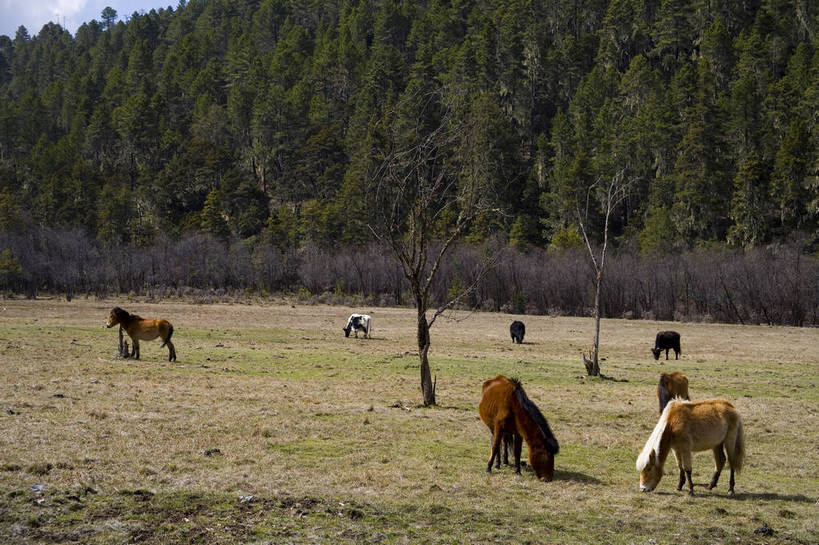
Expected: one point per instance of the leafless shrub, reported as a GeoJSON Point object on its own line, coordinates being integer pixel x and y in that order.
{"type": "Point", "coordinates": [778, 285]}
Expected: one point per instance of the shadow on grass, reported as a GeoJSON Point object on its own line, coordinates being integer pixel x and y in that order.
{"type": "Point", "coordinates": [754, 496]}
{"type": "Point", "coordinates": [612, 379]}
{"type": "Point", "coordinates": [559, 474]}
{"type": "Point", "coordinates": [575, 476]}
{"type": "Point", "coordinates": [740, 496]}
{"type": "Point", "coordinates": [447, 407]}
{"type": "Point", "coordinates": [601, 377]}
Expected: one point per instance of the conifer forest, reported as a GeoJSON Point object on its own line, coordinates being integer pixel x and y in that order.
{"type": "Point", "coordinates": [223, 146]}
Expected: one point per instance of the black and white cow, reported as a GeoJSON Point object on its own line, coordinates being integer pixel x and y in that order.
{"type": "Point", "coordinates": [667, 340]}
{"type": "Point", "coordinates": [517, 330]}
{"type": "Point", "coordinates": [356, 322]}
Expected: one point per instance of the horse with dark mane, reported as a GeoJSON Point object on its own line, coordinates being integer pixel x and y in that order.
{"type": "Point", "coordinates": [146, 329]}
{"type": "Point", "coordinates": [672, 385]}
{"type": "Point", "coordinates": [692, 426]}
{"type": "Point", "coordinates": [506, 409]}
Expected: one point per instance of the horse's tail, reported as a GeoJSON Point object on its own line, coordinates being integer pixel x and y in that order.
{"type": "Point", "coordinates": [738, 457]}
{"type": "Point", "coordinates": [168, 338]}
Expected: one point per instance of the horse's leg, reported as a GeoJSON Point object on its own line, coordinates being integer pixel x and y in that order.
{"type": "Point", "coordinates": [507, 446]}
{"type": "Point", "coordinates": [686, 457]}
{"type": "Point", "coordinates": [518, 447]}
{"type": "Point", "coordinates": [681, 482]}
{"type": "Point", "coordinates": [719, 459]}
{"type": "Point", "coordinates": [731, 450]}
{"type": "Point", "coordinates": [497, 436]}
{"type": "Point", "coordinates": [690, 482]}
{"type": "Point", "coordinates": [171, 351]}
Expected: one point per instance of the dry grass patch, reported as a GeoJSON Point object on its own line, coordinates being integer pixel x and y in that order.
{"type": "Point", "coordinates": [268, 434]}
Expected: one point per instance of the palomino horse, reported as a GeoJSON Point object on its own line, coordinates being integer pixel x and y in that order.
{"type": "Point", "coordinates": [143, 329]}
{"type": "Point", "coordinates": [672, 385]}
{"type": "Point", "coordinates": [506, 409]}
{"type": "Point", "coordinates": [692, 426]}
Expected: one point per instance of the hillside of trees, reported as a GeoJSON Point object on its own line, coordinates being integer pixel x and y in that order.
{"type": "Point", "coordinates": [254, 123]}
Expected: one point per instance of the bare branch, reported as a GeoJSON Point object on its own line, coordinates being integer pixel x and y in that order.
{"type": "Point", "coordinates": [473, 285]}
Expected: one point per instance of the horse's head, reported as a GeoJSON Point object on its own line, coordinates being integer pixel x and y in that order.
{"type": "Point", "coordinates": [115, 317]}
{"type": "Point", "coordinates": [543, 463]}
{"type": "Point", "coordinates": [651, 474]}
{"type": "Point", "coordinates": [656, 352]}
{"type": "Point", "coordinates": [346, 330]}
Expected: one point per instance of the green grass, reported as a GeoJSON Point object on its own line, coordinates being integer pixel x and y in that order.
{"type": "Point", "coordinates": [321, 438]}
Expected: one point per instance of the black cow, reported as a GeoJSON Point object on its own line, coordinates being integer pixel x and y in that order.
{"type": "Point", "coordinates": [517, 330]}
{"type": "Point", "coordinates": [667, 340]}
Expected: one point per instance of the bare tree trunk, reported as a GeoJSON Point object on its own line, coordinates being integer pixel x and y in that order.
{"type": "Point", "coordinates": [595, 367]}
{"type": "Point", "coordinates": [427, 387]}
{"type": "Point", "coordinates": [414, 184]}
{"type": "Point", "coordinates": [616, 192]}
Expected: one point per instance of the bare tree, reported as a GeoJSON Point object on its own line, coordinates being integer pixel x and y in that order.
{"type": "Point", "coordinates": [609, 196]}
{"type": "Point", "coordinates": [424, 196]}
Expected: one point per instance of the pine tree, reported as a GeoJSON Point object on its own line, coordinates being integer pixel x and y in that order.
{"type": "Point", "coordinates": [213, 216]}
{"type": "Point", "coordinates": [748, 204]}
{"type": "Point", "coordinates": [700, 210]}
{"type": "Point", "coordinates": [791, 192]}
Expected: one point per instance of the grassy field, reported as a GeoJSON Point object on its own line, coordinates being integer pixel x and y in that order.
{"type": "Point", "coordinates": [273, 427]}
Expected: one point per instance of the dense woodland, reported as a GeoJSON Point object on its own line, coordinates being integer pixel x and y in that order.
{"type": "Point", "coordinates": [249, 128]}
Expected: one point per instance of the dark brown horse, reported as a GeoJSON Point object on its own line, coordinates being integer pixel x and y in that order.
{"type": "Point", "coordinates": [672, 385]}
{"type": "Point", "coordinates": [143, 329]}
{"type": "Point", "coordinates": [506, 409]}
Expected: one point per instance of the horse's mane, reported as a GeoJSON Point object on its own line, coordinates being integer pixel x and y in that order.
{"type": "Point", "coordinates": [664, 394]}
{"type": "Point", "coordinates": [653, 443]}
{"type": "Point", "coordinates": [123, 315]}
{"type": "Point", "coordinates": [528, 405]}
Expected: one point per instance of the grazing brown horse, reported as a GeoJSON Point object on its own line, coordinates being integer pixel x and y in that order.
{"type": "Point", "coordinates": [507, 410]}
{"type": "Point", "coordinates": [672, 385]}
{"type": "Point", "coordinates": [142, 329]}
{"type": "Point", "coordinates": [692, 426]}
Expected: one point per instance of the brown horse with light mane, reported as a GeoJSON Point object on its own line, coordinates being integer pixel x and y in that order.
{"type": "Point", "coordinates": [672, 385]}
{"type": "Point", "coordinates": [139, 328]}
{"type": "Point", "coordinates": [507, 410]}
{"type": "Point", "coordinates": [692, 426]}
